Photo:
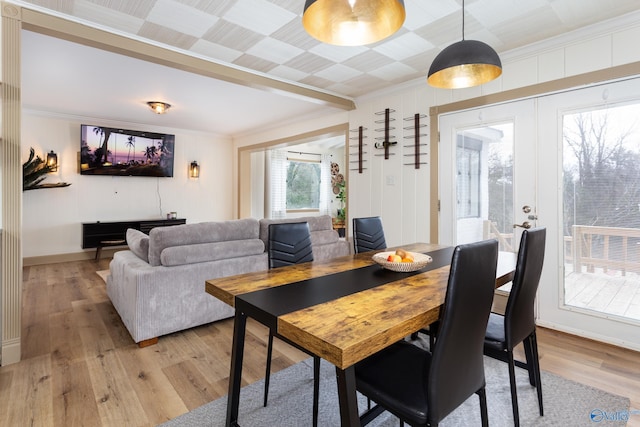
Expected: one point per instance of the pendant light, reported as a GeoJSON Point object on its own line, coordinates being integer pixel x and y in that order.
{"type": "Point", "coordinates": [352, 22]}
{"type": "Point", "coordinates": [464, 64]}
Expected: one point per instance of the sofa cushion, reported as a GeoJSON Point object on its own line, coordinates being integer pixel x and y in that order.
{"type": "Point", "coordinates": [316, 224]}
{"type": "Point", "coordinates": [161, 238]}
{"type": "Point", "coordinates": [324, 237]}
{"type": "Point", "coordinates": [138, 243]}
{"type": "Point", "coordinates": [203, 252]}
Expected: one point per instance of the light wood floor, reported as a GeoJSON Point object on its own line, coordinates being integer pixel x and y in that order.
{"type": "Point", "coordinates": [80, 366]}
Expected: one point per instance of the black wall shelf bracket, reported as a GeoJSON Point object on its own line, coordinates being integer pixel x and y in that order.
{"type": "Point", "coordinates": [416, 139]}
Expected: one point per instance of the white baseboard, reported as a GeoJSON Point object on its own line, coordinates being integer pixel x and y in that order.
{"type": "Point", "coordinates": [76, 256]}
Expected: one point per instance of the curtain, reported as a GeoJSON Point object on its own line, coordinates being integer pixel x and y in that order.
{"type": "Point", "coordinates": [326, 193]}
{"type": "Point", "coordinates": [276, 163]}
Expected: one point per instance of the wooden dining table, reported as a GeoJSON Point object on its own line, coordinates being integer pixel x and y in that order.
{"type": "Point", "coordinates": [342, 310]}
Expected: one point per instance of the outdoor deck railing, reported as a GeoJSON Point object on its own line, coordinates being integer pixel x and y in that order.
{"type": "Point", "coordinates": [591, 246]}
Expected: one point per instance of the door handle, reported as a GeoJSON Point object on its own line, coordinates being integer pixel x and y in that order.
{"type": "Point", "coordinates": [526, 225]}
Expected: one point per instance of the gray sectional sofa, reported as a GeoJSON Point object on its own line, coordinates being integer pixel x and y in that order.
{"type": "Point", "coordinates": [157, 285]}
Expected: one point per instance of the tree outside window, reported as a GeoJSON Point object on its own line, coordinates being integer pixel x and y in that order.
{"type": "Point", "coordinates": [303, 185]}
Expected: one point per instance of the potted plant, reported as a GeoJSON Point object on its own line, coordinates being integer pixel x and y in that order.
{"type": "Point", "coordinates": [339, 189]}
{"type": "Point", "coordinates": [341, 196]}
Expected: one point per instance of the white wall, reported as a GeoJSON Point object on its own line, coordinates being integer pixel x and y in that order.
{"type": "Point", "coordinates": [52, 217]}
{"type": "Point", "coordinates": [400, 194]}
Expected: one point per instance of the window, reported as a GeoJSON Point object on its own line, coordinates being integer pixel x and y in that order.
{"type": "Point", "coordinates": [297, 184]}
{"type": "Point", "coordinates": [303, 185]}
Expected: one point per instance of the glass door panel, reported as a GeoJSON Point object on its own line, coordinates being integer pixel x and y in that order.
{"type": "Point", "coordinates": [484, 184]}
{"type": "Point", "coordinates": [601, 210]}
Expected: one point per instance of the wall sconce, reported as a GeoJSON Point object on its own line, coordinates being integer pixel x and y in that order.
{"type": "Point", "coordinates": [52, 161]}
{"type": "Point", "coordinates": [158, 107]}
{"type": "Point", "coordinates": [194, 170]}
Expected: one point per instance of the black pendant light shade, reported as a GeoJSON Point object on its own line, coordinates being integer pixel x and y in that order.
{"type": "Point", "coordinates": [352, 22]}
{"type": "Point", "coordinates": [466, 63]}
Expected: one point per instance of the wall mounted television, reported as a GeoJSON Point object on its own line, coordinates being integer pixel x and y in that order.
{"type": "Point", "coordinates": [122, 152]}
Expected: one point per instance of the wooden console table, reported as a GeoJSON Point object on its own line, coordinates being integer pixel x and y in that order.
{"type": "Point", "coordinates": [103, 234]}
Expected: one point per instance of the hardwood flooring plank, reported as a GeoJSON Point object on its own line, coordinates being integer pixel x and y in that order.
{"type": "Point", "coordinates": [6, 382]}
{"type": "Point", "coordinates": [159, 399]}
{"type": "Point", "coordinates": [72, 394]}
{"type": "Point", "coordinates": [29, 401]}
{"type": "Point", "coordinates": [118, 404]}
{"type": "Point", "coordinates": [35, 319]}
{"type": "Point", "coordinates": [81, 364]}
{"type": "Point", "coordinates": [117, 331]}
{"type": "Point", "coordinates": [190, 384]}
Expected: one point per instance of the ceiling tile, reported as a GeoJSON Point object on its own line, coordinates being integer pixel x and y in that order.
{"type": "Point", "coordinates": [393, 71]}
{"type": "Point", "coordinates": [259, 15]}
{"type": "Point", "coordinates": [274, 50]}
{"type": "Point", "coordinates": [337, 53]}
{"type": "Point", "coordinates": [181, 18]}
{"type": "Point", "coordinates": [338, 73]}
{"type": "Point", "coordinates": [213, 50]}
{"type": "Point", "coordinates": [233, 36]}
{"type": "Point", "coordinates": [107, 17]}
{"type": "Point", "coordinates": [407, 45]}
{"type": "Point", "coordinates": [167, 36]}
{"type": "Point", "coordinates": [309, 63]}
{"type": "Point", "coordinates": [139, 9]}
{"type": "Point", "coordinates": [254, 63]}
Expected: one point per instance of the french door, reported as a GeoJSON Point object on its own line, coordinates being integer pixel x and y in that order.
{"type": "Point", "coordinates": [590, 146]}
{"type": "Point", "coordinates": [487, 169]}
{"type": "Point", "coordinates": [568, 162]}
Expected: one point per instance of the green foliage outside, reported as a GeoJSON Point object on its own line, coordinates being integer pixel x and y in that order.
{"type": "Point", "coordinates": [303, 185]}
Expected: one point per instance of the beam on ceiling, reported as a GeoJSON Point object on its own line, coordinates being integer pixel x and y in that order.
{"type": "Point", "coordinates": [78, 33]}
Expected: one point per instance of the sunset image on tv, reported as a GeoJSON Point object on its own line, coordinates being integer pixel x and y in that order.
{"type": "Point", "coordinates": [114, 151]}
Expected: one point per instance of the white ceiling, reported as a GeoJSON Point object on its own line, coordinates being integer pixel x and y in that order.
{"type": "Point", "coordinates": [267, 38]}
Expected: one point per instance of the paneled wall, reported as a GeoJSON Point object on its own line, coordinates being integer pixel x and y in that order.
{"type": "Point", "coordinates": [401, 194]}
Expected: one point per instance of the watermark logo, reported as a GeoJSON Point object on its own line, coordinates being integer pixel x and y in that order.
{"type": "Point", "coordinates": [599, 415]}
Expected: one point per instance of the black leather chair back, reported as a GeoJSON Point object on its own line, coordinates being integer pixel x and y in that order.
{"type": "Point", "coordinates": [519, 316]}
{"type": "Point", "coordinates": [457, 366]}
{"type": "Point", "coordinates": [368, 234]}
{"type": "Point", "coordinates": [289, 243]}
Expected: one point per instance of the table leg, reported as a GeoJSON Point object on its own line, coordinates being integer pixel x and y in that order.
{"type": "Point", "coordinates": [347, 397]}
{"type": "Point", "coordinates": [235, 375]}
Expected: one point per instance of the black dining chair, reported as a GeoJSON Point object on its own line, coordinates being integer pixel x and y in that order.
{"type": "Point", "coordinates": [368, 234]}
{"type": "Point", "coordinates": [288, 244]}
{"type": "Point", "coordinates": [421, 387]}
{"type": "Point", "coordinates": [518, 325]}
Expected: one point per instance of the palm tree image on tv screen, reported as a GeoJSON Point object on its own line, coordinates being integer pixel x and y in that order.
{"type": "Point", "coordinates": [122, 152]}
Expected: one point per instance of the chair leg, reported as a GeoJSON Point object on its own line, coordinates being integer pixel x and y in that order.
{"type": "Point", "coordinates": [316, 388]}
{"type": "Point", "coordinates": [267, 374]}
{"type": "Point", "coordinates": [514, 394]}
{"type": "Point", "coordinates": [529, 358]}
{"type": "Point", "coordinates": [536, 366]}
{"type": "Point", "coordinates": [484, 413]}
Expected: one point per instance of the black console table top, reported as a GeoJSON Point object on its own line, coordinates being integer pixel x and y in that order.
{"type": "Point", "coordinates": [99, 234]}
